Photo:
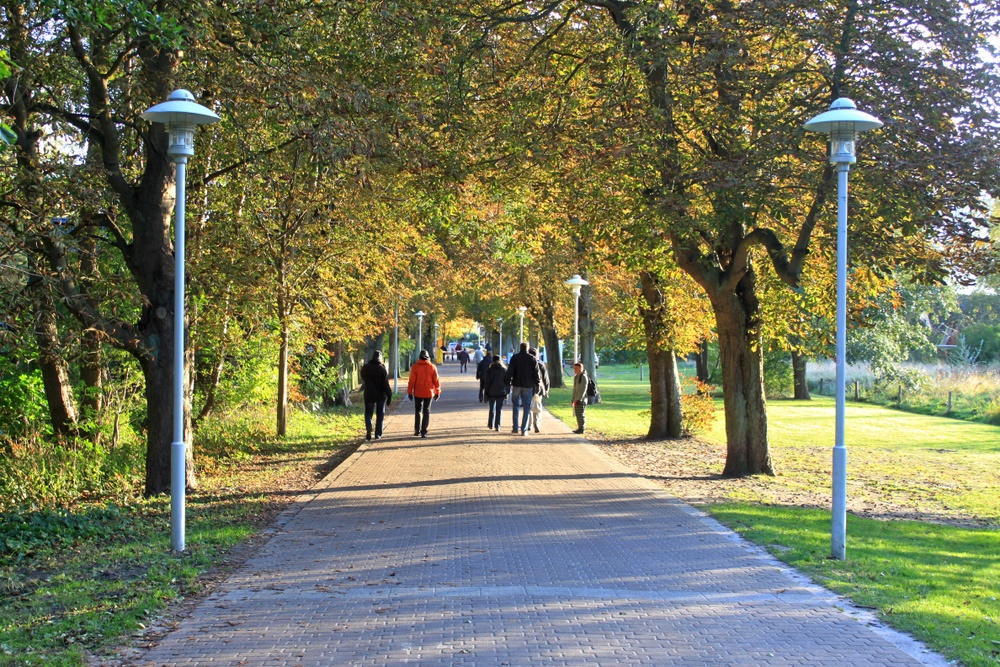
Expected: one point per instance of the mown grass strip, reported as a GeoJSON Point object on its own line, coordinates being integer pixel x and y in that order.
{"type": "Point", "coordinates": [940, 583]}
{"type": "Point", "coordinates": [77, 581]}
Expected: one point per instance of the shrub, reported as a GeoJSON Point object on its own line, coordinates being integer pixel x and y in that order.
{"type": "Point", "coordinates": [985, 338]}
{"type": "Point", "coordinates": [778, 375]}
{"type": "Point", "coordinates": [22, 400]}
{"type": "Point", "coordinates": [698, 406]}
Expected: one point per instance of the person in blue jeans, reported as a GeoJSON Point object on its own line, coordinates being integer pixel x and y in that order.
{"type": "Point", "coordinates": [495, 390]}
{"type": "Point", "coordinates": [522, 377]}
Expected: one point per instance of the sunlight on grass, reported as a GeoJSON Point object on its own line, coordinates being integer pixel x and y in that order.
{"type": "Point", "coordinates": [938, 582]}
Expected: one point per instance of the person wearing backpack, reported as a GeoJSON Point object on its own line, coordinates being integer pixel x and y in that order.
{"type": "Point", "coordinates": [581, 386]}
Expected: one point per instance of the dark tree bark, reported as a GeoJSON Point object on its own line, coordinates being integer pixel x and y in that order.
{"type": "Point", "coordinates": [55, 372]}
{"type": "Point", "coordinates": [666, 415]}
{"type": "Point", "coordinates": [702, 371]}
{"type": "Point", "coordinates": [799, 376]}
{"type": "Point", "coordinates": [738, 325]}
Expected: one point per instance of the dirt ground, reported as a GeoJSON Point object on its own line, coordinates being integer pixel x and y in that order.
{"type": "Point", "coordinates": [690, 469]}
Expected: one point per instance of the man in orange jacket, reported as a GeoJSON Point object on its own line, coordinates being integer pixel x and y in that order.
{"type": "Point", "coordinates": [425, 385]}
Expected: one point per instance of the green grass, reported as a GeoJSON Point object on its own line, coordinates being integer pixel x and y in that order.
{"type": "Point", "coordinates": [939, 582]}
{"type": "Point", "coordinates": [74, 582]}
{"type": "Point", "coordinates": [936, 582]}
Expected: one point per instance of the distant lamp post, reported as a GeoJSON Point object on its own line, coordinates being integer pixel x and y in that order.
{"type": "Point", "coordinates": [395, 354]}
{"type": "Point", "coordinates": [182, 116]}
{"type": "Point", "coordinates": [842, 122]}
{"type": "Point", "coordinates": [500, 351]}
{"type": "Point", "coordinates": [522, 310]}
{"type": "Point", "coordinates": [576, 283]}
{"type": "Point", "coordinates": [420, 331]}
{"type": "Point", "coordinates": [436, 344]}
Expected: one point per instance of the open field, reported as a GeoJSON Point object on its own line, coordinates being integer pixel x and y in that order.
{"type": "Point", "coordinates": [923, 501]}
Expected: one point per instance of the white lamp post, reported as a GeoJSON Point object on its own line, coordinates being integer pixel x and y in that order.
{"type": "Point", "coordinates": [420, 331]}
{"type": "Point", "coordinates": [182, 115]}
{"type": "Point", "coordinates": [435, 339]}
{"type": "Point", "coordinates": [522, 310]}
{"type": "Point", "coordinates": [395, 354]}
{"type": "Point", "coordinates": [576, 283]}
{"type": "Point", "coordinates": [500, 351]}
{"type": "Point", "coordinates": [842, 122]}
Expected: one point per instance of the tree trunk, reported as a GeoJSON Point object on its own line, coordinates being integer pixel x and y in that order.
{"type": "Point", "coordinates": [737, 322]}
{"type": "Point", "coordinates": [799, 375]}
{"type": "Point", "coordinates": [552, 361]}
{"type": "Point", "coordinates": [664, 382]}
{"type": "Point", "coordinates": [702, 372]}
{"type": "Point", "coordinates": [588, 333]}
{"type": "Point", "coordinates": [281, 407]}
{"type": "Point", "coordinates": [55, 373]}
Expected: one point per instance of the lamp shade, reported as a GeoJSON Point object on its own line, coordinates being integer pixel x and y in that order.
{"type": "Point", "coordinates": [577, 281]}
{"type": "Point", "coordinates": [420, 314]}
{"type": "Point", "coordinates": [843, 111]}
{"type": "Point", "coordinates": [181, 114]}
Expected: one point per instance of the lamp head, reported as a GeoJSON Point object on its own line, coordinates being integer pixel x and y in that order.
{"type": "Point", "coordinates": [843, 122]}
{"type": "Point", "coordinates": [182, 115]}
{"type": "Point", "coordinates": [420, 314]}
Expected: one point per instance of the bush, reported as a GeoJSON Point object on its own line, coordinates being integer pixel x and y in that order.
{"type": "Point", "coordinates": [985, 335]}
{"type": "Point", "coordinates": [698, 406]}
{"type": "Point", "coordinates": [778, 376]}
{"type": "Point", "coordinates": [22, 400]}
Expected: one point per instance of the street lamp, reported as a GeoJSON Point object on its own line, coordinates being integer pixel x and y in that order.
{"type": "Point", "coordinates": [500, 351]}
{"type": "Point", "coordinates": [522, 310]}
{"type": "Point", "coordinates": [842, 122]}
{"type": "Point", "coordinates": [420, 334]}
{"type": "Point", "coordinates": [395, 354]}
{"type": "Point", "coordinates": [182, 115]}
{"type": "Point", "coordinates": [577, 283]}
{"type": "Point", "coordinates": [435, 339]}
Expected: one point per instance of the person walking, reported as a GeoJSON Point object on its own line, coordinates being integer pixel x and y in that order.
{"type": "Point", "coordinates": [481, 368]}
{"type": "Point", "coordinates": [378, 394]}
{"type": "Point", "coordinates": [478, 355]}
{"type": "Point", "coordinates": [463, 360]}
{"type": "Point", "coordinates": [425, 385]}
{"type": "Point", "coordinates": [496, 391]}
{"type": "Point", "coordinates": [541, 391]}
{"type": "Point", "coordinates": [522, 378]}
{"type": "Point", "coordinates": [580, 383]}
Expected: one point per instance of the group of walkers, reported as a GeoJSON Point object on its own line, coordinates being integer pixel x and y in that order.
{"type": "Point", "coordinates": [525, 380]}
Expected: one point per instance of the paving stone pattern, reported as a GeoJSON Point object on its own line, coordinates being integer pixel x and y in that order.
{"type": "Point", "coordinates": [472, 547]}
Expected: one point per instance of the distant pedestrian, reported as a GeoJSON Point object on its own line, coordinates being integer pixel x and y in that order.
{"type": "Point", "coordinates": [481, 369]}
{"type": "Point", "coordinates": [522, 378]}
{"type": "Point", "coordinates": [463, 360]}
{"type": "Point", "coordinates": [478, 355]}
{"type": "Point", "coordinates": [425, 385]}
{"type": "Point", "coordinates": [378, 394]}
{"type": "Point", "coordinates": [496, 391]}
{"type": "Point", "coordinates": [541, 391]}
{"type": "Point", "coordinates": [580, 383]}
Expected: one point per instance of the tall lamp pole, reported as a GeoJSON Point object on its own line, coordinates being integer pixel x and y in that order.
{"type": "Point", "coordinates": [576, 283]}
{"type": "Point", "coordinates": [395, 354]}
{"type": "Point", "coordinates": [522, 310]}
{"type": "Point", "coordinates": [182, 115]}
{"type": "Point", "coordinates": [435, 339]}
{"type": "Point", "coordinates": [420, 331]}
{"type": "Point", "coordinates": [842, 122]}
{"type": "Point", "coordinates": [500, 351]}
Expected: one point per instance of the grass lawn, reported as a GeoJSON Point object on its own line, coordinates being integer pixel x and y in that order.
{"type": "Point", "coordinates": [74, 583]}
{"type": "Point", "coordinates": [937, 577]}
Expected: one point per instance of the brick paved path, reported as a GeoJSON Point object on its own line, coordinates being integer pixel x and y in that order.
{"type": "Point", "coordinates": [479, 548]}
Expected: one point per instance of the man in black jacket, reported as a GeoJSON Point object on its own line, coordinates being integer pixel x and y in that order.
{"type": "Point", "coordinates": [481, 370]}
{"type": "Point", "coordinates": [378, 394]}
{"type": "Point", "coordinates": [522, 377]}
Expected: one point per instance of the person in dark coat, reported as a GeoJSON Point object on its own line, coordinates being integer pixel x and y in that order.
{"type": "Point", "coordinates": [522, 378]}
{"type": "Point", "coordinates": [496, 391]}
{"type": "Point", "coordinates": [463, 360]}
{"type": "Point", "coordinates": [481, 369]}
{"type": "Point", "coordinates": [541, 391]}
{"type": "Point", "coordinates": [378, 394]}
